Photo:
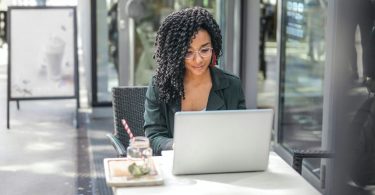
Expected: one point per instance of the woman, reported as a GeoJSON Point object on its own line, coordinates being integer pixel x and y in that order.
{"type": "Point", "coordinates": [186, 79]}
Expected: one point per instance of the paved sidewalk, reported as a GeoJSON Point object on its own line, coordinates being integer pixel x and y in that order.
{"type": "Point", "coordinates": [100, 148]}
{"type": "Point", "coordinates": [38, 155]}
{"type": "Point", "coordinates": [42, 152]}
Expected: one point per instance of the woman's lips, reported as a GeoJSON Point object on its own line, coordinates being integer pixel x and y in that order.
{"type": "Point", "coordinates": [198, 67]}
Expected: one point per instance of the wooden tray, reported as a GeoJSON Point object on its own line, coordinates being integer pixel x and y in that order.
{"type": "Point", "coordinates": [117, 174]}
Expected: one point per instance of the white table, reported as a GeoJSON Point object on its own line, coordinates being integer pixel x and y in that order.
{"type": "Point", "coordinates": [278, 179]}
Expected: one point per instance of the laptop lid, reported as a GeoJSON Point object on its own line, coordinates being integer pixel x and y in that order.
{"type": "Point", "coordinates": [221, 141]}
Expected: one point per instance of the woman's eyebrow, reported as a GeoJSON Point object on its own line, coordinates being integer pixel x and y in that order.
{"type": "Point", "coordinates": [205, 44]}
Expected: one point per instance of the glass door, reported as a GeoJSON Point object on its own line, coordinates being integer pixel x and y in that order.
{"type": "Point", "coordinates": [302, 64]}
{"type": "Point", "coordinates": [123, 40]}
{"type": "Point", "coordinates": [140, 22]}
{"type": "Point", "coordinates": [105, 69]}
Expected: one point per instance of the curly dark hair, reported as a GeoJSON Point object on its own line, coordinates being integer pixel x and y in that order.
{"type": "Point", "coordinates": [172, 41]}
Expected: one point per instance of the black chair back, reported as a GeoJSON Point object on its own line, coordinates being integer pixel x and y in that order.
{"type": "Point", "coordinates": [128, 103]}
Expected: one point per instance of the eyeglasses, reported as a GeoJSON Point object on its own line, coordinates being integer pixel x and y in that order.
{"type": "Point", "coordinates": [203, 52]}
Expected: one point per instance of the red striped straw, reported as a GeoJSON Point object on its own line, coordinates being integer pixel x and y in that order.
{"type": "Point", "coordinates": [127, 129]}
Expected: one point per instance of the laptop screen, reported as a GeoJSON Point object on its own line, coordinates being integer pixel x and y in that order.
{"type": "Point", "coordinates": [221, 141]}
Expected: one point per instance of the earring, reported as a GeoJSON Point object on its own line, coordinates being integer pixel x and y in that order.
{"type": "Point", "coordinates": [213, 60]}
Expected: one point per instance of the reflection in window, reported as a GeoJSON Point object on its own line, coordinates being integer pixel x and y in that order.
{"type": "Point", "coordinates": [41, 2]}
{"type": "Point", "coordinates": [302, 74]}
{"type": "Point", "coordinates": [107, 48]}
{"type": "Point", "coordinates": [267, 80]}
{"type": "Point", "coordinates": [146, 26]}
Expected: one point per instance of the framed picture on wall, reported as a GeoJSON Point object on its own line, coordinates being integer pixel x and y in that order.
{"type": "Point", "coordinates": [42, 53]}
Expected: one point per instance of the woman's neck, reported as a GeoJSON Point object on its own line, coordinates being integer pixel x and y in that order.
{"type": "Point", "coordinates": [192, 79]}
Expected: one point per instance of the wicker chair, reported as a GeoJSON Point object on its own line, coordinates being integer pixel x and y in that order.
{"type": "Point", "coordinates": [128, 103]}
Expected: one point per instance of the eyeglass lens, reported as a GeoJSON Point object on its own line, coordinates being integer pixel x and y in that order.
{"type": "Point", "coordinates": [203, 52]}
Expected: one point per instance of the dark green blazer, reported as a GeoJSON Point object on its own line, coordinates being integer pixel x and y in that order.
{"type": "Point", "coordinates": [226, 94]}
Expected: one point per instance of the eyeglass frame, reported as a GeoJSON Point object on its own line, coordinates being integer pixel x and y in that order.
{"type": "Point", "coordinates": [199, 53]}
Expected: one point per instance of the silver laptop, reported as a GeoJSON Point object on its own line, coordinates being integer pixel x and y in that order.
{"type": "Point", "coordinates": [221, 141]}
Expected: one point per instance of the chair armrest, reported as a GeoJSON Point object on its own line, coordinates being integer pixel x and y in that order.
{"type": "Point", "coordinates": [119, 147]}
{"type": "Point", "coordinates": [299, 155]}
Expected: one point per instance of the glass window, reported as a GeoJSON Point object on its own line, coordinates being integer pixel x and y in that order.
{"type": "Point", "coordinates": [146, 26]}
{"type": "Point", "coordinates": [106, 50]}
{"type": "Point", "coordinates": [267, 80]}
{"type": "Point", "coordinates": [301, 78]}
{"type": "Point", "coordinates": [41, 2]}
{"type": "Point", "coordinates": [3, 27]}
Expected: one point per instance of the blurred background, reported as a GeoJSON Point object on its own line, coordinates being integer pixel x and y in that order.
{"type": "Point", "coordinates": [308, 60]}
